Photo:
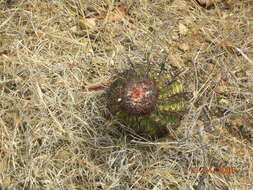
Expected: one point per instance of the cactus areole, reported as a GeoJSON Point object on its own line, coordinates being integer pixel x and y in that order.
{"type": "Point", "coordinates": [138, 95]}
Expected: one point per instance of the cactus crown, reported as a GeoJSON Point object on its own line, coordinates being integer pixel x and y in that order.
{"type": "Point", "coordinates": [138, 95]}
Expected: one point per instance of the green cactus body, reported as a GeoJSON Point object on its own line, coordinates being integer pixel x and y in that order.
{"type": "Point", "coordinates": [168, 103]}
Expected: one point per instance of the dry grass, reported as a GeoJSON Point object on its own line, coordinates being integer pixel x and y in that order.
{"type": "Point", "coordinates": [53, 133]}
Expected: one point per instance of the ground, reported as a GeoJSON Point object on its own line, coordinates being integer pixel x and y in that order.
{"type": "Point", "coordinates": [56, 58]}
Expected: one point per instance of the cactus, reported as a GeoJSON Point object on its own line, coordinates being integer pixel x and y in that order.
{"type": "Point", "coordinates": [148, 100]}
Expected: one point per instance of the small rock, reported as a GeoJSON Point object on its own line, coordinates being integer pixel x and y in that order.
{"type": "Point", "coordinates": [183, 30]}
{"type": "Point", "coordinates": [175, 36]}
{"type": "Point", "coordinates": [206, 3]}
{"type": "Point", "coordinates": [221, 89]}
{"type": "Point", "coordinates": [184, 47]}
{"type": "Point", "coordinates": [224, 102]}
{"type": "Point", "coordinates": [88, 22]}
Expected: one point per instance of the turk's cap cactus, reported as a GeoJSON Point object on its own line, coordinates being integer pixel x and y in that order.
{"type": "Point", "coordinates": [145, 101]}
